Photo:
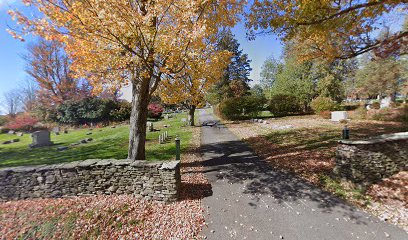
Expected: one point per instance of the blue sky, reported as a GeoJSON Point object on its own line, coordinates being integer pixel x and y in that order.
{"type": "Point", "coordinates": [12, 66]}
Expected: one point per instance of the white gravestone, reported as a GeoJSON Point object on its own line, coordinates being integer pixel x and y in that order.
{"type": "Point", "coordinates": [337, 116]}
{"type": "Point", "coordinates": [385, 102]}
{"type": "Point", "coordinates": [41, 139]}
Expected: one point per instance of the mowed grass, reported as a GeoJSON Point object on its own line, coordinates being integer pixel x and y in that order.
{"type": "Point", "coordinates": [107, 143]}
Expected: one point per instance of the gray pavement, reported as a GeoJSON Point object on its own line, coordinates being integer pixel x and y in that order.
{"type": "Point", "coordinates": [251, 200]}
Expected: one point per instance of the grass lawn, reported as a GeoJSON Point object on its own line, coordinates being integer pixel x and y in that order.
{"type": "Point", "coordinates": [107, 143]}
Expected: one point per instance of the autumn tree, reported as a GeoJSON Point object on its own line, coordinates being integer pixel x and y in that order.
{"type": "Point", "coordinates": [201, 72]}
{"type": "Point", "coordinates": [49, 66]}
{"type": "Point", "coordinates": [235, 80]}
{"type": "Point", "coordinates": [139, 42]}
{"type": "Point", "coordinates": [329, 29]}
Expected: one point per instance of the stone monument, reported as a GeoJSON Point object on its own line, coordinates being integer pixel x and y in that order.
{"type": "Point", "coordinates": [337, 116]}
{"type": "Point", "coordinates": [385, 102]}
{"type": "Point", "coordinates": [150, 126]}
{"type": "Point", "coordinates": [41, 139]}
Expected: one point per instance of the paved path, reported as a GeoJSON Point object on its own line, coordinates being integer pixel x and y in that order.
{"type": "Point", "coordinates": [252, 201]}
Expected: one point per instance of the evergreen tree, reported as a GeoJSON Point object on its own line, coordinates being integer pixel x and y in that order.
{"type": "Point", "coordinates": [234, 82]}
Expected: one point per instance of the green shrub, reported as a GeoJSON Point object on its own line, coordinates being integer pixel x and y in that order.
{"type": "Point", "coordinates": [87, 110]}
{"type": "Point", "coordinates": [284, 104]}
{"type": "Point", "coordinates": [240, 107]}
{"type": "Point", "coordinates": [360, 113]}
{"type": "Point", "coordinates": [321, 104]}
{"type": "Point", "coordinates": [121, 113]}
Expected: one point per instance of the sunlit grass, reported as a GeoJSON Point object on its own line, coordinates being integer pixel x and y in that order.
{"type": "Point", "coordinates": [107, 143]}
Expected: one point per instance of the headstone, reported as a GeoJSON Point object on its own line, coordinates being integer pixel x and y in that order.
{"type": "Point", "coordinates": [62, 148]}
{"type": "Point", "coordinates": [83, 141]}
{"type": "Point", "coordinates": [385, 102]}
{"type": "Point", "coordinates": [113, 126]}
{"type": "Point", "coordinates": [89, 133]}
{"type": "Point", "coordinates": [41, 139]}
{"type": "Point", "coordinates": [15, 140]}
{"type": "Point", "coordinates": [150, 126]}
{"type": "Point", "coordinates": [65, 131]}
{"type": "Point", "coordinates": [337, 116]}
{"type": "Point", "coordinates": [166, 116]}
{"type": "Point", "coordinates": [20, 134]}
{"type": "Point", "coordinates": [56, 130]}
{"type": "Point", "coordinates": [184, 120]}
{"type": "Point", "coordinates": [89, 139]}
{"type": "Point", "coordinates": [7, 142]}
{"type": "Point", "coordinates": [11, 132]}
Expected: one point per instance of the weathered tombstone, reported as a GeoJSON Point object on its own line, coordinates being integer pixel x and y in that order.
{"type": "Point", "coordinates": [150, 126]}
{"type": "Point", "coordinates": [166, 116]}
{"type": "Point", "coordinates": [337, 116]}
{"type": "Point", "coordinates": [15, 140]}
{"type": "Point", "coordinates": [20, 134]}
{"type": "Point", "coordinates": [385, 102]}
{"type": "Point", "coordinates": [11, 132]}
{"type": "Point", "coordinates": [56, 130]}
{"type": "Point", "coordinates": [65, 131]}
{"type": "Point", "coordinates": [184, 120]}
{"type": "Point", "coordinates": [62, 148]}
{"type": "Point", "coordinates": [89, 133]}
{"type": "Point", "coordinates": [41, 139]}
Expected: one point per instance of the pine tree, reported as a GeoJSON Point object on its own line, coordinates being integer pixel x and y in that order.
{"type": "Point", "coordinates": [234, 82]}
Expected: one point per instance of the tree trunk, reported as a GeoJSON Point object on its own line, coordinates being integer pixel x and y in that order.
{"type": "Point", "coordinates": [138, 119]}
{"type": "Point", "coordinates": [191, 112]}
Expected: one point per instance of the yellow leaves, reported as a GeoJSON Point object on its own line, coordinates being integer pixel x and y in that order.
{"type": "Point", "coordinates": [335, 26]}
{"type": "Point", "coordinates": [110, 42]}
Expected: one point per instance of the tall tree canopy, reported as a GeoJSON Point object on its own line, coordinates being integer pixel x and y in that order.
{"type": "Point", "coordinates": [329, 28]}
{"type": "Point", "coordinates": [234, 82]}
{"type": "Point", "coordinates": [270, 69]}
{"type": "Point", "coordinates": [380, 77]}
{"type": "Point", "coordinates": [198, 76]}
{"type": "Point", "coordinates": [49, 66]}
{"type": "Point", "coordinates": [138, 41]}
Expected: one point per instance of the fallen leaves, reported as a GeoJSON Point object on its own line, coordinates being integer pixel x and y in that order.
{"type": "Point", "coordinates": [114, 216]}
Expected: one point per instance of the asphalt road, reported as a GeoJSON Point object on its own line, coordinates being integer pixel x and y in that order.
{"type": "Point", "coordinates": [250, 200]}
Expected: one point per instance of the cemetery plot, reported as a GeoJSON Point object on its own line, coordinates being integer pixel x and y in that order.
{"type": "Point", "coordinates": [103, 143]}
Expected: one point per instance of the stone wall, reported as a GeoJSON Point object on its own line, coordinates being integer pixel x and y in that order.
{"type": "Point", "coordinates": [150, 180]}
{"type": "Point", "coordinates": [371, 160]}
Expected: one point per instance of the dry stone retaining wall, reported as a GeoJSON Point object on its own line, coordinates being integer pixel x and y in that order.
{"type": "Point", "coordinates": [150, 180]}
{"type": "Point", "coordinates": [371, 160]}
